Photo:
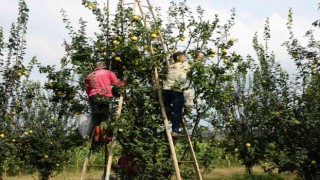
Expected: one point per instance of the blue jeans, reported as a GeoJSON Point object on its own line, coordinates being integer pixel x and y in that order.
{"type": "Point", "coordinates": [173, 102]}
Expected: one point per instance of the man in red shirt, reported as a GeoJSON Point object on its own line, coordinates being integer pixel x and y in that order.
{"type": "Point", "coordinates": [99, 90]}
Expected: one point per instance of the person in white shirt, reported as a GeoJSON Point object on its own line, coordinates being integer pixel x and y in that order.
{"type": "Point", "coordinates": [174, 87]}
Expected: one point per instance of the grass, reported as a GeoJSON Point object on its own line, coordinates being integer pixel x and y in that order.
{"type": "Point", "coordinates": [223, 173]}
{"type": "Point", "coordinates": [238, 173]}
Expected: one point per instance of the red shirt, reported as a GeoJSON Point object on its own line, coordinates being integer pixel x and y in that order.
{"type": "Point", "coordinates": [100, 81]}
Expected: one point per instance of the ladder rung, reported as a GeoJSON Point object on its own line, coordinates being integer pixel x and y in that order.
{"type": "Point", "coordinates": [125, 4]}
{"type": "Point", "coordinates": [180, 135]}
{"type": "Point", "coordinates": [96, 165]}
{"type": "Point", "coordinates": [186, 161]}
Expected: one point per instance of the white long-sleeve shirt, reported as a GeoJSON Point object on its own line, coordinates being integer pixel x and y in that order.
{"type": "Point", "coordinates": [177, 76]}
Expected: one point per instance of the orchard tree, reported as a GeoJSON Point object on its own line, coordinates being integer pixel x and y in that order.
{"type": "Point", "coordinates": [260, 102]}
{"type": "Point", "coordinates": [302, 153]}
{"type": "Point", "coordinates": [132, 50]}
{"type": "Point", "coordinates": [13, 74]}
{"type": "Point", "coordinates": [269, 110]}
{"type": "Point", "coordinates": [36, 132]}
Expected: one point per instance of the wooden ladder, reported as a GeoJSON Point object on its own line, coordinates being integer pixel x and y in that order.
{"type": "Point", "coordinates": [108, 156]}
{"type": "Point", "coordinates": [158, 87]}
{"type": "Point", "coordinates": [107, 165]}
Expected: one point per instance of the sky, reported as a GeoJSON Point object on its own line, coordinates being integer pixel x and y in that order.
{"type": "Point", "coordinates": [46, 30]}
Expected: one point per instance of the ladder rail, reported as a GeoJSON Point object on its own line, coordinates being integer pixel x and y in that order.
{"type": "Point", "coordinates": [166, 123]}
{"type": "Point", "coordinates": [164, 47]}
{"type": "Point", "coordinates": [163, 112]}
{"type": "Point", "coordinates": [85, 165]}
{"type": "Point", "coordinates": [193, 154]}
{"type": "Point", "coordinates": [113, 143]}
{"type": "Point", "coordinates": [86, 161]}
{"type": "Point", "coordinates": [108, 163]}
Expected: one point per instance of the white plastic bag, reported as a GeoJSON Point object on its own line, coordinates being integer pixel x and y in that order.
{"type": "Point", "coordinates": [84, 124]}
{"type": "Point", "coordinates": [188, 97]}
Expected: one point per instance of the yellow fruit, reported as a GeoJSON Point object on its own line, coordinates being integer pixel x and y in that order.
{"type": "Point", "coordinates": [25, 72]}
{"type": "Point", "coordinates": [153, 35]}
{"type": "Point", "coordinates": [212, 55]}
{"type": "Point", "coordinates": [115, 42]}
{"type": "Point", "coordinates": [135, 17]}
{"type": "Point", "coordinates": [13, 140]}
{"type": "Point", "coordinates": [30, 131]}
{"type": "Point", "coordinates": [276, 113]}
{"type": "Point", "coordinates": [241, 104]}
{"type": "Point", "coordinates": [157, 32]}
{"type": "Point", "coordinates": [117, 58]}
{"type": "Point", "coordinates": [313, 162]}
{"type": "Point", "coordinates": [181, 38]}
{"type": "Point", "coordinates": [91, 6]}
{"type": "Point", "coordinates": [46, 156]}
{"type": "Point", "coordinates": [224, 51]}
{"type": "Point", "coordinates": [295, 121]}
{"type": "Point", "coordinates": [19, 74]}
{"type": "Point", "coordinates": [226, 61]}
{"type": "Point", "coordinates": [26, 133]}
{"type": "Point", "coordinates": [2, 135]}
{"type": "Point", "coordinates": [231, 40]}
{"type": "Point", "coordinates": [264, 81]}
{"type": "Point", "coordinates": [236, 150]}
{"type": "Point", "coordinates": [134, 38]}
{"type": "Point", "coordinates": [60, 93]}
{"type": "Point", "coordinates": [231, 89]}
{"type": "Point", "coordinates": [248, 144]}
{"type": "Point", "coordinates": [212, 51]}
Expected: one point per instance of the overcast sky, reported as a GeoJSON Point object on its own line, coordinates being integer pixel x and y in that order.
{"type": "Point", "coordinates": [46, 30]}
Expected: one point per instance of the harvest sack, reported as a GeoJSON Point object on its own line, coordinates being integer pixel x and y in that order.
{"type": "Point", "coordinates": [84, 124]}
{"type": "Point", "coordinates": [188, 97]}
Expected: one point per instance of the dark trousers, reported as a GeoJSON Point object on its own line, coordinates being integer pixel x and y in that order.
{"type": "Point", "coordinates": [99, 109]}
{"type": "Point", "coordinates": [173, 102]}
{"type": "Point", "coordinates": [100, 112]}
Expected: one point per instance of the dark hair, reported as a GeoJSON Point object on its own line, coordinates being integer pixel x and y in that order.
{"type": "Point", "coordinates": [176, 55]}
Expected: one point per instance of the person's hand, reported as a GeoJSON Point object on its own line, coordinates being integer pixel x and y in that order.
{"type": "Point", "coordinates": [124, 82]}
{"type": "Point", "coordinates": [200, 57]}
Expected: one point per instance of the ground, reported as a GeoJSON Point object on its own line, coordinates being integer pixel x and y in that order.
{"type": "Point", "coordinates": [227, 173]}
